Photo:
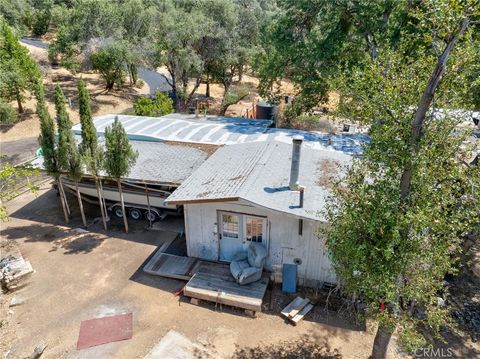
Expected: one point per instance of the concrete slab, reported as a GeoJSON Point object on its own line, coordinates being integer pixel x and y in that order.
{"type": "Point", "coordinates": [176, 346]}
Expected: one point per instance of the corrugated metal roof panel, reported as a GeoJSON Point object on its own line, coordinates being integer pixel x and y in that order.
{"type": "Point", "coordinates": [259, 173]}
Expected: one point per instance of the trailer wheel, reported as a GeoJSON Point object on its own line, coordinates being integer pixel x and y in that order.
{"type": "Point", "coordinates": [151, 216]}
{"type": "Point", "coordinates": [117, 211]}
{"type": "Point", "coordinates": [135, 213]}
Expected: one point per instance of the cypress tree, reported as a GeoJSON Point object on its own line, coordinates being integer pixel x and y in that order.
{"type": "Point", "coordinates": [48, 143]}
{"type": "Point", "coordinates": [92, 153]}
{"type": "Point", "coordinates": [119, 158]}
{"type": "Point", "coordinates": [89, 133]}
{"type": "Point", "coordinates": [69, 157]}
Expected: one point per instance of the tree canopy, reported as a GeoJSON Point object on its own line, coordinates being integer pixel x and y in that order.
{"type": "Point", "coordinates": [18, 71]}
{"type": "Point", "coordinates": [312, 42]}
{"type": "Point", "coordinates": [399, 218]}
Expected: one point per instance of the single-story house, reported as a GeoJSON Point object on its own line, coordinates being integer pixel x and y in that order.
{"type": "Point", "coordinates": [271, 192]}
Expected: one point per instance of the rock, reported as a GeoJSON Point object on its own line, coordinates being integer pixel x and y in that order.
{"type": "Point", "coordinates": [16, 301]}
{"type": "Point", "coordinates": [441, 302]}
{"type": "Point", "coordinates": [11, 312]}
{"type": "Point", "coordinates": [38, 351]}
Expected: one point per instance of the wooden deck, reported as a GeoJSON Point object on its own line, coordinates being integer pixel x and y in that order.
{"type": "Point", "coordinates": [213, 282]}
{"type": "Point", "coordinates": [210, 281]}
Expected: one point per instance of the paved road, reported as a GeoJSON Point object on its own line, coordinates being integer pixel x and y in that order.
{"type": "Point", "coordinates": [153, 79]}
{"type": "Point", "coordinates": [19, 150]}
{"type": "Point", "coordinates": [34, 42]}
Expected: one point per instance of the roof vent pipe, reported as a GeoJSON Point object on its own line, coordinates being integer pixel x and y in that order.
{"type": "Point", "coordinates": [302, 192]}
{"type": "Point", "coordinates": [294, 170]}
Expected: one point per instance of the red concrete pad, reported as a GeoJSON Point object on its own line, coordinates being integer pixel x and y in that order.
{"type": "Point", "coordinates": [104, 330]}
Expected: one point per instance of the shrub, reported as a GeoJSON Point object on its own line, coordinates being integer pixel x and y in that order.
{"type": "Point", "coordinates": [159, 106]}
{"type": "Point", "coordinates": [140, 83]}
{"type": "Point", "coordinates": [8, 115]}
{"type": "Point", "coordinates": [109, 62]}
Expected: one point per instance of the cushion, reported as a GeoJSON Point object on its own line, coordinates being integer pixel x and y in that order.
{"type": "Point", "coordinates": [236, 268]}
{"type": "Point", "coordinates": [256, 255]}
{"type": "Point", "coordinates": [250, 275]}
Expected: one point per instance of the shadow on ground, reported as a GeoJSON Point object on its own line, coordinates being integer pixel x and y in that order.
{"type": "Point", "coordinates": [308, 347]}
{"type": "Point", "coordinates": [46, 223]}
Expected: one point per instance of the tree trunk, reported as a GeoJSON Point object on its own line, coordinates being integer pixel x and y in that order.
{"type": "Point", "coordinates": [62, 200]}
{"type": "Point", "coordinates": [380, 344]}
{"type": "Point", "coordinates": [130, 74]}
{"type": "Point", "coordinates": [19, 101]}
{"type": "Point", "coordinates": [134, 72]}
{"type": "Point", "coordinates": [424, 105]}
{"type": "Point", "coordinates": [240, 73]}
{"type": "Point", "coordinates": [124, 214]}
{"type": "Point", "coordinates": [224, 105]}
{"type": "Point", "coordinates": [207, 88]}
{"type": "Point", "coordinates": [100, 202]}
{"type": "Point", "coordinates": [80, 204]}
{"type": "Point", "coordinates": [110, 85]}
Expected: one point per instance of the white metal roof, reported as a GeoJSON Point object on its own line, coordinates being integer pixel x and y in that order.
{"type": "Point", "coordinates": [259, 173]}
{"type": "Point", "coordinates": [218, 130]}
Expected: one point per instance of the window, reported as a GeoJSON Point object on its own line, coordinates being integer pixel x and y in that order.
{"type": "Point", "coordinates": [230, 225]}
{"type": "Point", "coordinates": [254, 229]}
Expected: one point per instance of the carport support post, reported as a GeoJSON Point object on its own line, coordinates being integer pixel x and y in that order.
{"type": "Point", "coordinates": [148, 204]}
{"type": "Point", "coordinates": [123, 205]}
{"type": "Point", "coordinates": [100, 201]}
{"type": "Point", "coordinates": [63, 200]}
{"type": "Point", "coordinates": [80, 204]}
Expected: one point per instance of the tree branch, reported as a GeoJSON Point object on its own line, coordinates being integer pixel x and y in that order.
{"type": "Point", "coordinates": [425, 102]}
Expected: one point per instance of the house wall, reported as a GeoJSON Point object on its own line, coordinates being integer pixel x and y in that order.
{"type": "Point", "coordinates": [284, 242]}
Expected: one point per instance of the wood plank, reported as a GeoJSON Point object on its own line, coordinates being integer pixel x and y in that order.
{"type": "Point", "coordinates": [291, 306]}
{"type": "Point", "coordinates": [300, 315]}
{"type": "Point", "coordinates": [302, 305]}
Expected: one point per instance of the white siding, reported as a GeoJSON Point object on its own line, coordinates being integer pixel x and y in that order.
{"type": "Point", "coordinates": [285, 244]}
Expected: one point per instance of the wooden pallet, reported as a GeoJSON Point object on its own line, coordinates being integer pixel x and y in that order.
{"type": "Point", "coordinates": [214, 283]}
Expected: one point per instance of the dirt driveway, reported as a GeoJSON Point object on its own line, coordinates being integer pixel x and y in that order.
{"type": "Point", "coordinates": [82, 276]}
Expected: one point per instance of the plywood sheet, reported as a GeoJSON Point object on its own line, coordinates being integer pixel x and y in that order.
{"type": "Point", "coordinates": [104, 330]}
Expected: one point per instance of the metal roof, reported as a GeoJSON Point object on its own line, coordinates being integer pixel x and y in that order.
{"type": "Point", "coordinates": [219, 130]}
{"type": "Point", "coordinates": [159, 162]}
{"type": "Point", "coordinates": [259, 173]}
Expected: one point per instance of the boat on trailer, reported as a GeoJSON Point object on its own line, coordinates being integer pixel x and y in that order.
{"type": "Point", "coordinates": [142, 200]}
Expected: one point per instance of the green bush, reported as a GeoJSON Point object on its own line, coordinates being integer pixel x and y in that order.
{"type": "Point", "coordinates": [109, 62]}
{"type": "Point", "coordinates": [159, 106]}
{"type": "Point", "coordinates": [8, 115]}
{"type": "Point", "coordinates": [41, 23]}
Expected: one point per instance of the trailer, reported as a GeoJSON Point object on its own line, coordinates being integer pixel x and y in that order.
{"type": "Point", "coordinates": [141, 200]}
